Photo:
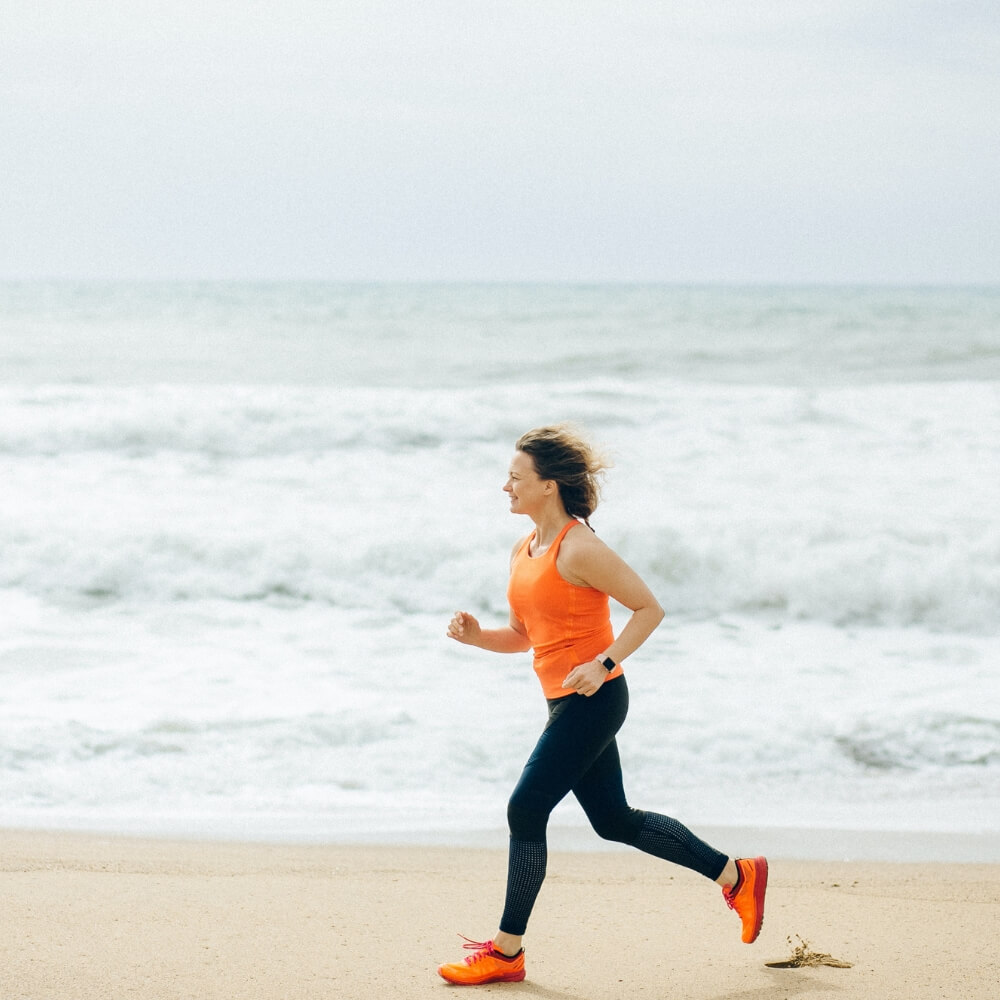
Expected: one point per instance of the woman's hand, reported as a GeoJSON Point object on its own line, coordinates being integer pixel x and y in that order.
{"type": "Point", "coordinates": [587, 678]}
{"type": "Point", "coordinates": [463, 627]}
{"type": "Point", "coordinates": [511, 638]}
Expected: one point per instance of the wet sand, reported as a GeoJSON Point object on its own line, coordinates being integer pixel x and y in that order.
{"type": "Point", "coordinates": [88, 916]}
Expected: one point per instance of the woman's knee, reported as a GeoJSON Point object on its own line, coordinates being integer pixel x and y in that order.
{"type": "Point", "coordinates": [527, 815]}
{"type": "Point", "coordinates": [622, 826]}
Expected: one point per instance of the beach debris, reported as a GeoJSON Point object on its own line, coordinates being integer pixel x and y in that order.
{"type": "Point", "coordinates": [803, 956]}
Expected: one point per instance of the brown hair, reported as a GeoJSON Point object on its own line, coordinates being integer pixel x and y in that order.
{"type": "Point", "coordinates": [560, 453]}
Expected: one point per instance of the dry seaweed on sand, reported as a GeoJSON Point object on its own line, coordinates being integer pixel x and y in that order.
{"type": "Point", "coordinates": [802, 956]}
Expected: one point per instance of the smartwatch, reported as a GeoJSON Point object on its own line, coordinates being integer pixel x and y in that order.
{"type": "Point", "coordinates": [608, 664]}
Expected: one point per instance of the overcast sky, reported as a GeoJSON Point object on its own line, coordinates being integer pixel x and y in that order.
{"type": "Point", "coordinates": [715, 140]}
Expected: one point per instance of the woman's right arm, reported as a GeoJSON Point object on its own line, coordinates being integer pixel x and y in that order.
{"type": "Point", "coordinates": [510, 639]}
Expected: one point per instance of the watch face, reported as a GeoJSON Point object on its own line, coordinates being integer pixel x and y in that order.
{"type": "Point", "coordinates": [608, 663]}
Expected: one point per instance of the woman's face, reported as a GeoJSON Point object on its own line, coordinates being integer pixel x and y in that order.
{"type": "Point", "coordinates": [527, 491]}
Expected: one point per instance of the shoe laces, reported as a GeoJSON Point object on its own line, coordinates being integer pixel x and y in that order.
{"type": "Point", "coordinates": [482, 949]}
{"type": "Point", "coordinates": [730, 892]}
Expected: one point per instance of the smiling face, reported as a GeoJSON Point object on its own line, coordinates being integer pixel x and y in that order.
{"type": "Point", "coordinates": [528, 492]}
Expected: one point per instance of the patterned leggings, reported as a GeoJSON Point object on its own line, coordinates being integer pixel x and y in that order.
{"type": "Point", "coordinates": [577, 753]}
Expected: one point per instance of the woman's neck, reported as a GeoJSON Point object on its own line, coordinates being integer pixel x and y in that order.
{"type": "Point", "coordinates": [547, 527]}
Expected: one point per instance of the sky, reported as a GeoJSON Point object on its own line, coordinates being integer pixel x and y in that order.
{"type": "Point", "coordinates": [792, 141]}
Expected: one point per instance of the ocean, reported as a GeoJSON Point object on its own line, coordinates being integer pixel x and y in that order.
{"type": "Point", "coordinates": [235, 520]}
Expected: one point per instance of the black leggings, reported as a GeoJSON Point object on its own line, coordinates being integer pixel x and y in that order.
{"type": "Point", "coordinates": [577, 753]}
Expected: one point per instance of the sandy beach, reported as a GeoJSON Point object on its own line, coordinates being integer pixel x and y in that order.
{"type": "Point", "coordinates": [99, 916]}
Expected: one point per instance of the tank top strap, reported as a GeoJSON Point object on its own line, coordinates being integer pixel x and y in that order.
{"type": "Point", "coordinates": [554, 547]}
{"type": "Point", "coordinates": [524, 546]}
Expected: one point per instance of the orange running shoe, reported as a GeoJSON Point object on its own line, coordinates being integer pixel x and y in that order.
{"type": "Point", "coordinates": [485, 965]}
{"type": "Point", "coordinates": [748, 898]}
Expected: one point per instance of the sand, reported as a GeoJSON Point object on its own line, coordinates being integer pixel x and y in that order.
{"type": "Point", "coordinates": [88, 916]}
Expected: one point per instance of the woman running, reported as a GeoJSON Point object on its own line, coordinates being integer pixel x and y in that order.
{"type": "Point", "coordinates": [561, 576]}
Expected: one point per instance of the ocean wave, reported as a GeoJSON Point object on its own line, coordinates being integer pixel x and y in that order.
{"type": "Point", "coordinates": [157, 747]}
{"type": "Point", "coordinates": [247, 422]}
{"type": "Point", "coordinates": [915, 743]}
{"type": "Point", "coordinates": [221, 422]}
{"type": "Point", "coordinates": [948, 580]}
{"type": "Point", "coordinates": [951, 583]}
{"type": "Point", "coordinates": [860, 506]}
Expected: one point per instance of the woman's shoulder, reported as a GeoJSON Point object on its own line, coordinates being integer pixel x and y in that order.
{"type": "Point", "coordinates": [579, 535]}
{"type": "Point", "coordinates": [581, 545]}
{"type": "Point", "coordinates": [588, 561]}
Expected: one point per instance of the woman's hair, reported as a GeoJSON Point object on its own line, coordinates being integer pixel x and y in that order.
{"type": "Point", "coordinates": [560, 453]}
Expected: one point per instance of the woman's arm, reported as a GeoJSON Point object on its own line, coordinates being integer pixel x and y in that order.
{"type": "Point", "coordinates": [510, 639]}
{"type": "Point", "coordinates": [584, 560]}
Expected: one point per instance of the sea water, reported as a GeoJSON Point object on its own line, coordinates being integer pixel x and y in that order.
{"type": "Point", "coordinates": [236, 519]}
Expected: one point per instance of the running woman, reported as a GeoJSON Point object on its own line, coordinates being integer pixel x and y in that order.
{"type": "Point", "coordinates": [561, 576]}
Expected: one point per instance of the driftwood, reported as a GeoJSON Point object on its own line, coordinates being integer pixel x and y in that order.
{"type": "Point", "coordinates": [803, 955]}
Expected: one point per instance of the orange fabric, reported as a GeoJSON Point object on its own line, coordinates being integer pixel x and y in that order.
{"type": "Point", "coordinates": [566, 625]}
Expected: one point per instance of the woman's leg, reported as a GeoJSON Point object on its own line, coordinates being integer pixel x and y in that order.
{"type": "Point", "coordinates": [601, 793]}
{"type": "Point", "coordinates": [578, 732]}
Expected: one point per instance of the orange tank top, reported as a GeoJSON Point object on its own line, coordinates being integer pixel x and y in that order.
{"type": "Point", "coordinates": [566, 625]}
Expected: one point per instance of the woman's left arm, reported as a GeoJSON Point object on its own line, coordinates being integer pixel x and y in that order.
{"type": "Point", "coordinates": [588, 562]}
